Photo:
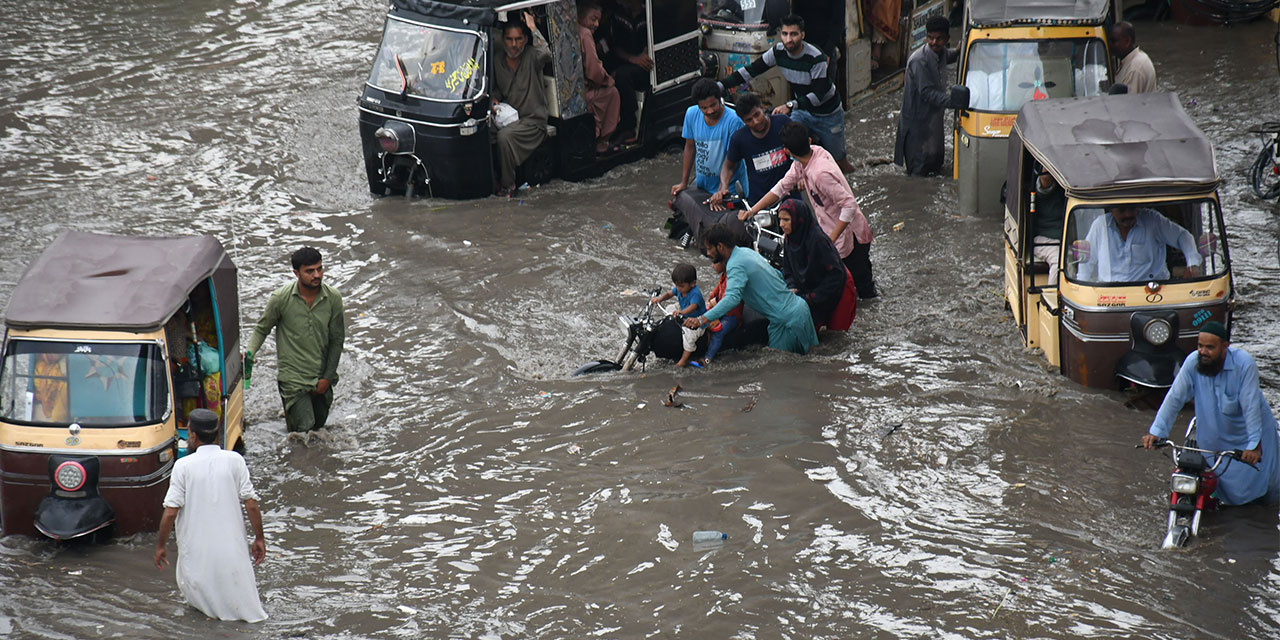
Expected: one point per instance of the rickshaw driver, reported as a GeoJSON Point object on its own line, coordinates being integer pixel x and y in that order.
{"type": "Point", "coordinates": [518, 82]}
{"type": "Point", "coordinates": [1129, 246]}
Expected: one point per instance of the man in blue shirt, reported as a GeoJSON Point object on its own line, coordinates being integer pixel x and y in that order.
{"type": "Point", "coordinates": [1231, 414]}
{"type": "Point", "coordinates": [759, 145]}
{"type": "Point", "coordinates": [1129, 246]}
{"type": "Point", "coordinates": [707, 129]}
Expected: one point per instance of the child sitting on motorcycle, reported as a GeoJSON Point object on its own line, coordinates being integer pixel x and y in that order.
{"type": "Point", "coordinates": [720, 328]}
{"type": "Point", "coordinates": [685, 278]}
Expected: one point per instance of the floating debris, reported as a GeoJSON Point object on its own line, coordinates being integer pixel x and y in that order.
{"type": "Point", "coordinates": [671, 400]}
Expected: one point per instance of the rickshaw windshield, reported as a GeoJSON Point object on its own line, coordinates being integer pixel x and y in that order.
{"type": "Point", "coordinates": [1132, 244]}
{"type": "Point", "coordinates": [435, 63]}
{"type": "Point", "coordinates": [733, 11]}
{"type": "Point", "coordinates": [1002, 75]}
{"type": "Point", "coordinates": [95, 384]}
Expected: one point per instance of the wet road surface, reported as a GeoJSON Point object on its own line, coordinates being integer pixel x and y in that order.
{"type": "Point", "coordinates": [922, 476]}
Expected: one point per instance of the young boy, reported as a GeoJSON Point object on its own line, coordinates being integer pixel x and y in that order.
{"type": "Point", "coordinates": [685, 279]}
{"type": "Point", "coordinates": [720, 328]}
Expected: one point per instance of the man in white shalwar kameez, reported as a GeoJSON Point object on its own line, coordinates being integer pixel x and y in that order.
{"type": "Point", "coordinates": [215, 573]}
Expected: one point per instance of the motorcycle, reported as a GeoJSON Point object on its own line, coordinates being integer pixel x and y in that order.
{"type": "Point", "coordinates": [654, 331]}
{"type": "Point", "coordinates": [1191, 486]}
{"type": "Point", "coordinates": [762, 228]}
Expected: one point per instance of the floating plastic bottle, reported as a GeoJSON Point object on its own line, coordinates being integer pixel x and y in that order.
{"type": "Point", "coordinates": [709, 536]}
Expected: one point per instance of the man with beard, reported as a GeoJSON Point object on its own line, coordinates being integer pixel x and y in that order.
{"type": "Point", "coordinates": [751, 279]}
{"type": "Point", "coordinates": [814, 100]}
{"type": "Point", "coordinates": [1128, 245]}
{"type": "Point", "coordinates": [1231, 414]}
{"type": "Point", "coordinates": [517, 81]}
{"type": "Point", "coordinates": [919, 148]}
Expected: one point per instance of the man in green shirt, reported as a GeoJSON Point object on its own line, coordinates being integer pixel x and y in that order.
{"type": "Point", "coordinates": [307, 317]}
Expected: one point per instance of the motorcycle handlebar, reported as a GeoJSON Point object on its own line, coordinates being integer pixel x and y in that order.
{"type": "Point", "coordinates": [1234, 454]}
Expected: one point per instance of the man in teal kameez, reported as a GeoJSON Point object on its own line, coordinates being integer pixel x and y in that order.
{"type": "Point", "coordinates": [751, 279]}
{"type": "Point", "coordinates": [307, 317]}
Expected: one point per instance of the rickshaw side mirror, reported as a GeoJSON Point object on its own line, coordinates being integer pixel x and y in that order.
{"type": "Point", "coordinates": [1080, 251]}
{"type": "Point", "coordinates": [959, 97]}
{"type": "Point", "coordinates": [1207, 244]}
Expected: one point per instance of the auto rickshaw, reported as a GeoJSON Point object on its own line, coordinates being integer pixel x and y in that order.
{"type": "Point", "coordinates": [424, 113]}
{"type": "Point", "coordinates": [1125, 306]}
{"type": "Point", "coordinates": [1015, 52]}
{"type": "Point", "coordinates": [109, 343]}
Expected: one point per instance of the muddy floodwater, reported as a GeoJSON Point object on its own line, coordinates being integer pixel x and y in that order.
{"type": "Point", "coordinates": [922, 476]}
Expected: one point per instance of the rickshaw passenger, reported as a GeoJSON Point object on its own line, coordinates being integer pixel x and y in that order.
{"type": "Point", "coordinates": [602, 95]}
{"type": "Point", "coordinates": [1046, 227]}
{"type": "Point", "coordinates": [518, 82]}
{"type": "Point", "coordinates": [1129, 246]}
{"type": "Point", "coordinates": [624, 46]}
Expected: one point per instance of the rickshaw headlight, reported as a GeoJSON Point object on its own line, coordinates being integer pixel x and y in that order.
{"type": "Point", "coordinates": [1157, 331]}
{"type": "Point", "coordinates": [1184, 483]}
{"type": "Point", "coordinates": [395, 137]}
{"type": "Point", "coordinates": [763, 219]}
{"type": "Point", "coordinates": [70, 476]}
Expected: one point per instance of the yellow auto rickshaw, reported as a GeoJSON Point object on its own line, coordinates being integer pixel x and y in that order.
{"type": "Point", "coordinates": [1014, 53]}
{"type": "Point", "coordinates": [109, 343]}
{"type": "Point", "coordinates": [1115, 251]}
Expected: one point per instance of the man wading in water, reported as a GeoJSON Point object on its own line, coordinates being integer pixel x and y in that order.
{"type": "Point", "coordinates": [310, 330]}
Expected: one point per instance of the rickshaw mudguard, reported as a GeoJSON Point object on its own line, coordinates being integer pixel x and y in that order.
{"type": "Point", "coordinates": [1154, 370]}
{"type": "Point", "coordinates": [67, 518]}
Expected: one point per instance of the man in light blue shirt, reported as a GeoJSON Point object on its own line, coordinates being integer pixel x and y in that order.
{"type": "Point", "coordinates": [1231, 414]}
{"type": "Point", "coordinates": [1129, 246]}
{"type": "Point", "coordinates": [707, 129]}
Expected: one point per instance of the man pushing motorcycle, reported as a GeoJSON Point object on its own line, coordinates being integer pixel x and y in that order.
{"type": "Point", "coordinates": [1231, 414]}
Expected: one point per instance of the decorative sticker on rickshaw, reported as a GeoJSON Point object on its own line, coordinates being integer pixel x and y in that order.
{"type": "Point", "coordinates": [461, 75]}
{"type": "Point", "coordinates": [437, 68]}
{"type": "Point", "coordinates": [128, 444]}
{"type": "Point", "coordinates": [1111, 301]}
{"type": "Point", "coordinates": [1200, 317]}
{"type": "Point", "coordinates": [1198, 293]}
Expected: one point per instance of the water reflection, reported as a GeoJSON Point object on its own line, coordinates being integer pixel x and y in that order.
{"type": "Point", "coordinates": [920, 477]}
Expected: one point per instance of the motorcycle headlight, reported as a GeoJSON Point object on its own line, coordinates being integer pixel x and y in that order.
{"type": "Point", "coordinates": [395, 137]}
{"type": "Point", "coordinates": [1184, 483]}
{"type": "Point", "coordinates": [763, 219]}
{"type": "Point", "coordinates": [1157, 331]}
{"type": "Point", "coordinates": [69, 476]}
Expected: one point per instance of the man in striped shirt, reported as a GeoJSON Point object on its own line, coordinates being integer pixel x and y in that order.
{"type": "Point", "coordinates": [814, 100]}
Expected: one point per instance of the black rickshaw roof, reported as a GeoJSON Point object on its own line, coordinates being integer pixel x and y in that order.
{"type": "Point", "coordinates": [480, 12]}
{"type": "Point", "coordinates": [1140, 144]}
{"type": "Point", "coordinates": [992, 13]}
{"type": "Point", "coordinates": [99, 281]}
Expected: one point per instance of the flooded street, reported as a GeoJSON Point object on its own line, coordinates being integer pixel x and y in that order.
{"type": "Point", "coordinates": [922, 476]}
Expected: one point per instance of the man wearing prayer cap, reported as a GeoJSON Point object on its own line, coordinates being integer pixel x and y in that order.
{"type": "Point", "coordinates": [1230, 414]}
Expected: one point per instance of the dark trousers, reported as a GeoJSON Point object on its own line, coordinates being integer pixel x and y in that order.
{"type": "Point", "coordinates": [309, 412]}
{"type": "Point", "coordinates": [629, 79]}
{"type": "Point", "coordinates": [859, 263]}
